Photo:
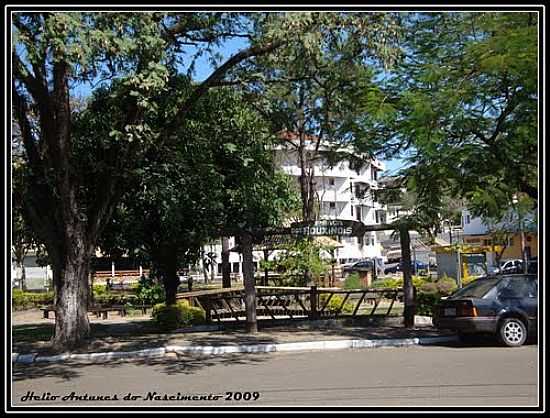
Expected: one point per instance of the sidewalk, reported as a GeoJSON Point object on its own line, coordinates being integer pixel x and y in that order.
{"type": "Point", "coordinates": [323, 335]}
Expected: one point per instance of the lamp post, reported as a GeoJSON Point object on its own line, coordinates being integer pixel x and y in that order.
{"type": "Point", "coordinates": [522, 233]}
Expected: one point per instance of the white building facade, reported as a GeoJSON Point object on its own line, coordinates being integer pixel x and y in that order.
{"type": "Point", "coordinates": [343, 193]}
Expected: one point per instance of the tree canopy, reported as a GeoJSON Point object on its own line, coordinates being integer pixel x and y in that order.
{"type": "Point", "coordinates": [464, 103]}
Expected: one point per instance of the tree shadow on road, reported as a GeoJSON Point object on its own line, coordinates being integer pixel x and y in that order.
{"type": "Point", "coordinates": [65, 371]}
{"type": "Point", "coordinates": [172, 364]}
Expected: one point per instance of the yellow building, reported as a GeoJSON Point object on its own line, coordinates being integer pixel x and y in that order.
{"type": "Point", "coordinates": [513, 249]}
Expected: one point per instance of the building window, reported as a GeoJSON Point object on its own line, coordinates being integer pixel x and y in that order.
{"type": "Point", "coordinates": [360, 241]}
{"type": "Point", "coordinates": [219, 268]}
{"type": "Point", "coordinates": [510, 242]}
{"type": "Point", "coordinates": [332, 205]}
{"type": "Point", "coordinates": [331, 181]}
{"type": "Point", "coordinates": [467, 219]}
{"type": "Point", "coordinates": [372, 241]}
{"type": "Point", "coordinates": [351, 206]}
{"type": "Point", "coordinates": [235, 267]}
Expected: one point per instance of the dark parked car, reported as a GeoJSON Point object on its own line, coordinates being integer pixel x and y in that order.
{"type": "Point", "coordinates": [418, 266]}
{"type": "Point", "coordinates": [502, 305]}
{"type": "Point", "coordinates": [363, 265]}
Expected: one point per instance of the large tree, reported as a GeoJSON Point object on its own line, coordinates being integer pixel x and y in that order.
{"type": "Point", "coordinates": [464, 105]}
{"type": "Point", "coordinates": [310, 89]}
{"type": "Point", "coordinates": [202, 181]}
{"type": "Point", "coordinates": [52, 55]}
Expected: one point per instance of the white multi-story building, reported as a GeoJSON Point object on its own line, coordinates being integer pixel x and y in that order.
{"type": "Point", "coordinates": [343, 192]}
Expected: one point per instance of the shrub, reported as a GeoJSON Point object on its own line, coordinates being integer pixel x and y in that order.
{"type": "Point", "coordinates": [100, 290]}
{"type": "Point", "coordinates": [426, 303]}
{"type": "Point", "coordinates": [353, 282]}
{"type": "Point", "coordinates": [446, 286]}
{"type": "Point", "coordinates": [174, 316]}
{"type": "Point", "coordinates": [388, 283]}
{"type": "Point", "coordinates": [148, 292]}
{"type": "Point", "coordinates": [429, 287]}
{"type": "Point", "coordinates": [418, 281]}
{"type": "Point", "coordinates": [26, 300]}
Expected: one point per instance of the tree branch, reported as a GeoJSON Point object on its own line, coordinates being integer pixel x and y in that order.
{"type": "Point", "coordinates": [217, 75]}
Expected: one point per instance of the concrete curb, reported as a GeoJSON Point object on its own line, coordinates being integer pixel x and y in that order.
{"type": "Point", "coordinates": [230, 349]}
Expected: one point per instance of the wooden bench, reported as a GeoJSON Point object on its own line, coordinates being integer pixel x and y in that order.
{"type": "Point", "coordinates": [99, 311]}
{"type": "Point", "coordinates": [143, 308]}
{"type": "Point", "coordinates": [103, 311]}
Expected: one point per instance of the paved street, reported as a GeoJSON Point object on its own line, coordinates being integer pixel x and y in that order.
{"type": "Point", "coordinates": [486, 375]}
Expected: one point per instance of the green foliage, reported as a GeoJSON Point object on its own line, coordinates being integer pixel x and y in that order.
{"type": "Point", "coordinates": [429, 287]}
{"type": "Point", "coordinates": [471, 118]}
{"type": "Point", "coordinates": [389, 283]}
{"type": "Point", "coordinates": [100, 290]}
{"type": "Point", "coordinates": [446, 286]}
{"type": "Point", "coordinates": [298, 258]}
{"type": "Point", "coordinates": [175, 316]}
{"type": "Point", "coordinates": [417, 281]}
{"type": "Point", "coordinates": [353, 281]}
{"type": "Point", "coordinates": [26, 300]}
{"type": "Point", "coordinates": [335, 302]}
{"type": "Point", "coordinates": [148, 292]}
{"type": "Point", "coordinates": [426, 302]}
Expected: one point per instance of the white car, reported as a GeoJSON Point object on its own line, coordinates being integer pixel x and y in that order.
{"type": "Point", "coordinates": [508, 266]}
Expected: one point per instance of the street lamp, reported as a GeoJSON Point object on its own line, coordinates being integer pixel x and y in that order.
{"type": "Point", "coordinates": [515, 201]}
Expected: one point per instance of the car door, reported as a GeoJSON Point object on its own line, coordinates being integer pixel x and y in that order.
{"type": "Point", "coordinates": [518, 294]}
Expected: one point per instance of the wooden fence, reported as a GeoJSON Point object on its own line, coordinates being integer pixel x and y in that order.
{"type": "Point", "coordinates": [295, 302]}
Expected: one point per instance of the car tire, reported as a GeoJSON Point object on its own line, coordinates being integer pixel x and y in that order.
{"type": "Point", "coordinates": [512, 332]}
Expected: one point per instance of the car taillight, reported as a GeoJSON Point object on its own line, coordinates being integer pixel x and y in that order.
{"type": "Point", "coordinates": [466, 309]}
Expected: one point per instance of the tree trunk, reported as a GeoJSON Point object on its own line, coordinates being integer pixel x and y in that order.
{"type": "Point", "coordinates": [212, 273]}
{"type": "Point", "coordinates": [171, 280]}
{"type": "Point", "coordinates": [23, 276]}
{"type": "Point", "coordinates": [203, 261]}
{"type": "Point", "coordinates": [407, 278]}
{"type": "Point", "coordinates": [248, 278]}
{"type": "Point", "coordinates": [72, 327]}
{"type": "Point", "coordinates": [226, 268]}
{"type": "Point", "coordinates": [304, 183]}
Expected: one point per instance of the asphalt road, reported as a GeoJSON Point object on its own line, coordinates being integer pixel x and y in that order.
{"type": "Point", "coordinates": [487, 375]}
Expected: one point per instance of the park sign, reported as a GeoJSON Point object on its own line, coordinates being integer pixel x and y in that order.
{"type": "Point", "coordinates": [328, 227]}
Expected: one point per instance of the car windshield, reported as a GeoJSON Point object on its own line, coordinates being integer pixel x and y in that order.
{"type": "Point", "coordinates": [476, 289]}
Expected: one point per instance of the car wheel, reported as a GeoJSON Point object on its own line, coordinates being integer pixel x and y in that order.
{"type": "Point", "coordinates": [512, 332]}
